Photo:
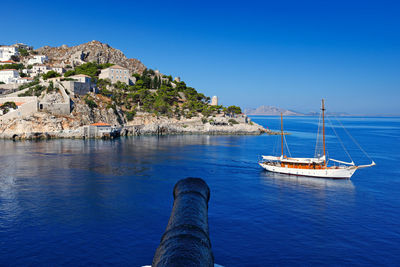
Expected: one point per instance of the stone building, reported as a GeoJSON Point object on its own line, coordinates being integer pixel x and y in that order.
{"type": "Point", "coordinates": [80, 85]}
{"type": "Point", "coordinates": [97, 130]}
{"type": "Point", "coordinates": [214, 101]}
{"type": "Point", "coordinates": [116, 73]}
{"type": "Point", "coordinates": [25, 106]}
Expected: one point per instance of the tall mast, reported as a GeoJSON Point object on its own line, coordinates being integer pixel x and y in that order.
{"type": "Point", "coordinates": [282, 133]}
{"type": "Point", "coordinates": [323, 128]}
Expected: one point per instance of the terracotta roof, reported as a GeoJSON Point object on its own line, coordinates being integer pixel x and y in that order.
{"type": "Point", "coordinates": [81, 75]}
{"type": "Point", "coordinates": [100, 124]}
{"type": "Point", "coordinates": [7, 69]}
{"type": "Point", "coordinates": [8, 61]}
{"type": "Point", "coordinates": [16, 103]}
{"type": "Point", "coordinates": [117, 67]}
{"type": "Point", "coordinates": [27, 78]}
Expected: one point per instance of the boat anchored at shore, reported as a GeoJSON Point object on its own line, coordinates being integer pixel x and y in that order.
{"type": "Point", "coordinates": [311, 167]}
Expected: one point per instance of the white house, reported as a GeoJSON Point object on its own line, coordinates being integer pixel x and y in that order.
{"type": "Point", "coordinates": [116, 73]}
{"type": "Point", "coordinates": [6, 52]}
{"type": "Point", "coordinates": [82, 78]}
{"type": "Point", "coordinates": [60, 70]}
{"type": "Point", "coordinates": [37, 59]}
{"type": "Point", "coordinates": [9, 76]}
{"type": "Point", "coordinates": [99, 129]}
{"type": "Point", "coordinates": [39, 69]}
{"type": "Point", "coordinates": [24, 80]}
{"type": "Point", "coordinates": [7, 62]}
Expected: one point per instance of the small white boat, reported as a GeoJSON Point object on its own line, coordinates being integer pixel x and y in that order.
{"type": "Point", "coordinates": [311, 167]}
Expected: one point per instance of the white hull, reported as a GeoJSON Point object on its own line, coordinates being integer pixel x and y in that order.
{"type": "Point", "coordinates": [337, 173]}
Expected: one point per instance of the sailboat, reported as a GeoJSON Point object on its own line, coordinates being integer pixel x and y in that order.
{"type": "Point", "coordinates": [312, 167]}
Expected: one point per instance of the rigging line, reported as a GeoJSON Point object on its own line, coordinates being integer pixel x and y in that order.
{"type": "Point", "coordinates": [275, 148]}
{"type": "Point", "coordinates": [354, 140]}
{"type": "Point", "coordinates": [287, 147]}
{"type": "Point", "coordinates": [340, 140]}
{"type": "Point", "coordinates": [317, 141]}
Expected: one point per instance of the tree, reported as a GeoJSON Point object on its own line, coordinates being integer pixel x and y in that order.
{"type": "Point", "coordinates": [69, 73]}
{"type": "Point", "coordinates": [23, 52]}
{"type": "Point", "coordinates": [50, 74]}
{"type": "Point", "coordinates": [234, 110]}
{"type": "Point", "coordinates": [14, 58]}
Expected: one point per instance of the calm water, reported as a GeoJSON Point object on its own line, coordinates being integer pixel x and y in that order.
{"type": "Point", "coordinates": [73, 202]}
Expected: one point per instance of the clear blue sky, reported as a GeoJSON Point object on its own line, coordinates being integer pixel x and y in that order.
{"type": "Point", "coordinates": [250, 53]}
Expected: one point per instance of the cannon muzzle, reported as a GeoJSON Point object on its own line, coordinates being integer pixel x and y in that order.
{"type": "Point", "coordinates": [186, 240]}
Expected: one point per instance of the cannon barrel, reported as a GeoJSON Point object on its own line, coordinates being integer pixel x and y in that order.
{"type": "Point", "coordinates": [186, 240]}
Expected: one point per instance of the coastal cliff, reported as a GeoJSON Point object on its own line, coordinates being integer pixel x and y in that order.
{"type": "Point", "coordinates": [93, 84]}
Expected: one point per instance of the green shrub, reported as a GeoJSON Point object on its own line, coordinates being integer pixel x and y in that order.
{"type": "Point", "coordinates": [90, 102]}
{"type": "Point", "coordinates": [130, 115]}
{"type": "Point", "coordinates": [23, 52]}
{"type": "Point", "coordinates": [50, 74]}
{"type": "Point", "coordinates": [232, 121]}
{"type": "Point", "coordinates": [34, 91]}
{"type": "Point", "coordinates": [5, 107]}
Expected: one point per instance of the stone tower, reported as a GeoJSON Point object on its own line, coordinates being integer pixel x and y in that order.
{"type": "Point", "coordinates": [214, 101]}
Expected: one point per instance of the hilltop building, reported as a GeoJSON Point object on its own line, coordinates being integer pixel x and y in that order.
{"type": "Point", "coordinates": [37, 59]}
{"type": "Point", "coordinates": [6, 52]}
{"type": "Point", "coordinates": [23, 46]}
{"type": "Point", "coordinates": [116, 73]}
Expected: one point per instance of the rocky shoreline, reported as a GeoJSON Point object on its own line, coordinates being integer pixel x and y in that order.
{"type": "Point", "coordinates": [42, 127]}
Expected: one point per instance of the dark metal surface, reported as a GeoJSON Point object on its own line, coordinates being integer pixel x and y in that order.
{"type": "Point", "coordinates": [186, 240]}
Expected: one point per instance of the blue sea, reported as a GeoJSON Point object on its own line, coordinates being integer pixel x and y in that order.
{"type": "Point", "coordinates": [95, 202]}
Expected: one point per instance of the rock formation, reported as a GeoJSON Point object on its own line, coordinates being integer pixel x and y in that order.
{"type": "Point", "coordinates": [93, 51]}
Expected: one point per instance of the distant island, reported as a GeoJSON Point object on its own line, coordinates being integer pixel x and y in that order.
{"type": "Point", "coordinates": [276, 111]}
{"type": "Point", "coordinates": [271, 111]}
{"type": "Point", "coordinates": [93, 90]}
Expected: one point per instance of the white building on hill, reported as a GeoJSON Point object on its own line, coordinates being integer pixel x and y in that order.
{"type": "Point", "coordinates": [7, 62]}
{"type": "Point", "coordinates": [37, 59]}
{"type": "Point", "coordinates": [116, 73]}
{"type": "Point", "coordinates": [6, 52]}
{"type": "Point", "coordinates": [60, 70]}
{"type": "Point", "coordinates": [40, 69]}
{"type": "Point", "coordinates": [9, 76]}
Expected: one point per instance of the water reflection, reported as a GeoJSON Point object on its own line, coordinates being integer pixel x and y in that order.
{"type": "Point", "coordinates": [291, 181]}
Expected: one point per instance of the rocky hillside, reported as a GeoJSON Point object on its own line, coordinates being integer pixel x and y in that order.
{"type": "Point", "coordinates": [93, 51]}
{"type": "Point", "coordinates": [271, 111]}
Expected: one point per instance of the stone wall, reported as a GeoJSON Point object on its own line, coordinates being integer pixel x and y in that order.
{"type": "Point", "coordinates": [63, 108]}
{"type": "Point", "coordinates": [29, 107]}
